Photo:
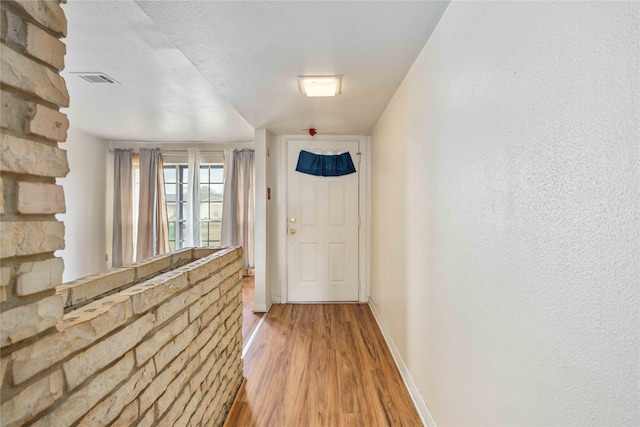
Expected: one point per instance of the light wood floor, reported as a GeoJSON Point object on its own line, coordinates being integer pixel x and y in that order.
{"type": "Point", "coordinates": [249, 319]}
{"type": "Point", "coordinates": [321, 365]}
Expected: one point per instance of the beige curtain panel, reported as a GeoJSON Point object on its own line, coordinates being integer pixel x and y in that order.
{"type": "Point", "coordinates": [122, 208]}
{"type": "Point", "coordinates": [152, 234]}
{"type": "Point", "coordinates": [239, 201]}
{"type": "Point", "coordinates": [162, 223]}
{"type": "Point", "coordinates": [151, 205]}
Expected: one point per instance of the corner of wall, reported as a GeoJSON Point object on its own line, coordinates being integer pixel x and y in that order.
{"type": "Point", "coordinates": [262, 233]}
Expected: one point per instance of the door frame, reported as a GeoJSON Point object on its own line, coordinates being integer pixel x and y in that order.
{"type": "Point", "coordinates": [363, 210]}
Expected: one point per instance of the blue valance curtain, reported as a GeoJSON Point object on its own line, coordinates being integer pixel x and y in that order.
{"type": "Point", "coordinates": [325, 164]}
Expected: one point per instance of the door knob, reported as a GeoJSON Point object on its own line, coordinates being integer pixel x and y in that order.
{"type": "Point", "coordinates": [292, 220]}
{"type": "Point", "coordinates": [292, 231]}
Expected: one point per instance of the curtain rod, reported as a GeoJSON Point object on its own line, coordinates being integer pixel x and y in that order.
{"type": "Point", "coordinates": [137, 150]}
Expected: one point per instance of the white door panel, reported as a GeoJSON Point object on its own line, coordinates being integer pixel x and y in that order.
{"type": "Point", "coordinates": [322, 247]}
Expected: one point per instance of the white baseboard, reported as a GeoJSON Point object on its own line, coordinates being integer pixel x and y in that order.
{"type": "Point", "coordinates": [261, 308]}
{"type": "Point", "coordinates": [418, 401]}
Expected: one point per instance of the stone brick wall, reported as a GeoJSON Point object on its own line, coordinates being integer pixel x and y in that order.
{"type": "Point", "coordinates": [31, 94]}
{"type": "Point", "coordinates": [161, 348]}
{"type": "Point", "coordinates": [158, 343]}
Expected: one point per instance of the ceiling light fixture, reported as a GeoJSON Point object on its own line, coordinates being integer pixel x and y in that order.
{"type": "Point", "coordinates": [320, 85]}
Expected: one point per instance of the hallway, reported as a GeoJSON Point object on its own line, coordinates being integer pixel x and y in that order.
{"type": "Point", "coordinates": [321, 365]}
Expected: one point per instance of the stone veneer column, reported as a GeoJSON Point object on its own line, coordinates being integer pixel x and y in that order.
{"type": "Point", "coordinates": [32, 93]}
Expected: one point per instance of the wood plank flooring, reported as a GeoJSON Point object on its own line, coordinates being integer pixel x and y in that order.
{"type": "Point", "coordinates": [249, 319]}
{"type": "Point", "coordinates": [321, 365]}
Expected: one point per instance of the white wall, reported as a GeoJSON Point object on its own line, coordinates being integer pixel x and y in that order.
{"type": "Point", "coordinates": [505, 228]}
{"type": "Point", "coordinates": [84, 190]}
{"type": "Point", "coordinates": [262, 278]}
{"type": "Point", "coordinates": [276, 224]}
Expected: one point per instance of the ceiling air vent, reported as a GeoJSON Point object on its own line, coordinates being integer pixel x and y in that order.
{"type": "Point", "coordinates": [96, 77]}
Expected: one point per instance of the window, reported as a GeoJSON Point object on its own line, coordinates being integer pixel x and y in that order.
{"type": "Point", "coordinates": [211, 189]}
{"type": "Point", "coordinates": [176, 178]}
{"type": "Point", "coordinates": [175, 184]}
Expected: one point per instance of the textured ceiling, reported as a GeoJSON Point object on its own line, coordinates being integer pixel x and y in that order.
{"type": "Point", "coordinates": [214, 71]}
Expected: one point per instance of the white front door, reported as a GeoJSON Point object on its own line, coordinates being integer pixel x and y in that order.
{"type": "Point", "coordinates": [322, 220]}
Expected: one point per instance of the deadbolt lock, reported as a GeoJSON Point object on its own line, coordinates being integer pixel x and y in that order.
{"type": "Point", "coordinates": [292, 220]}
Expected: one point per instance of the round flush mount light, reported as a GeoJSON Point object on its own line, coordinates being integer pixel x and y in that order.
{"type": "Point", "coordinates": [314, 86]}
